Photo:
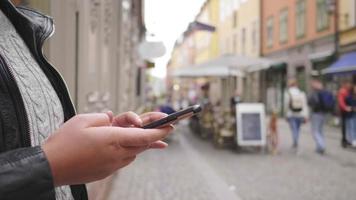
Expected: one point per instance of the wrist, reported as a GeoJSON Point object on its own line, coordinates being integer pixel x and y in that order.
{"type": "Point", "coordinates": [46, 148]}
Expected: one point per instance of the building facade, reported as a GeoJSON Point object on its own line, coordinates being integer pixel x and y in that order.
{"type": "Point", "coordinates": [95, 49]}
{"type": "Point", "coordinates": [300, 36]}
{"type": "Point", "coordinates": [198, 44]}
{"type": "Point", "coordinates": [347, 26]}
{"type": "Point", "coordinates": [239, 34]}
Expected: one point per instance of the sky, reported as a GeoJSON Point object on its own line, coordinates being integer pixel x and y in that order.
{"type": "Point", "coordinates": [167, 20]}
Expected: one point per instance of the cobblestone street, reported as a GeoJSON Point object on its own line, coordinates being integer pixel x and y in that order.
{"type": "Point", "coordinates": [192, 169]}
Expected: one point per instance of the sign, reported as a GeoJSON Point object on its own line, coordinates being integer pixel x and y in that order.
{"type": "Point", "coordinates": [251, 124]}
{"type": "Point", "coordinates": [151, 50]}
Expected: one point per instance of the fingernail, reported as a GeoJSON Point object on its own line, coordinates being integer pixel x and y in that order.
{"type": "Point", "coordinates": [139, 121]}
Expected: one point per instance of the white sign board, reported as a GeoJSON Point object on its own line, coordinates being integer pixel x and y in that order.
{"type": "Point", "coordinates": [251, 124]}
{"type": "Point", "coordinates": [150, 50]}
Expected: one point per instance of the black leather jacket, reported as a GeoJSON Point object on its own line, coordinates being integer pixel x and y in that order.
{"type": "Point", "coordinates": [24, 170]}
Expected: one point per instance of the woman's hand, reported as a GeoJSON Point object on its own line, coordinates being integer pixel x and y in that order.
{"type": "Point", "coordinates": [90, 147]}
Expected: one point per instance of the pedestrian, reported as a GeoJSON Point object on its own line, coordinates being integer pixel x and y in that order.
{"type": "Point", "coordinates": [350, 121]}
{"type": "Point", "coordinates": [235, 99]}
{"type": "Point", "coordinates": [48, 152]}
{"type": "Point", "coordinates": [321, 102]}
{"type": "Point", "coordinates": [344, 109]}
{"type": "Point", "coordinates": [296, 110]}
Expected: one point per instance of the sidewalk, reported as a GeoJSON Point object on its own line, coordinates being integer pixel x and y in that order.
{"type": "Point", "coordinates": [192, 169]}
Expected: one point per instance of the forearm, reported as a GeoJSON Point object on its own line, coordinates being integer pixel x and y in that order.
{"type": "Point", "coordinates": [25, 174]}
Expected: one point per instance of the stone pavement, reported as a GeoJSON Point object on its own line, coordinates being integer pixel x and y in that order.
{"type": "Point", "coordinates": [191, 169]}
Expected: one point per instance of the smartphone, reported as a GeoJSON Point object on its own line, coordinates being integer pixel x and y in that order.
{"type": "Point", "coordinates": [174, 117]}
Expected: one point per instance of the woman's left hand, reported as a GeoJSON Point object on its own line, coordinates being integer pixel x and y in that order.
{"type": "Point", "coordinates": [131, 119]}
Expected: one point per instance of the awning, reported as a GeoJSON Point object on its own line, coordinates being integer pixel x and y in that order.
{"type": "Point", "coordinates": [207, 71]}
{"type": "Point", "coordinates": [346, 63]}
{"type": "Point", "coordinates": [321, 56]}
{"type": "Point", "coordinates": [278, 65]}
{"type": "Point", "coordinates": [226, 65]}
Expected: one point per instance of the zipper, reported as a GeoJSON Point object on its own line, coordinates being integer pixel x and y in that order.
{"type": "Point", "coordinates": [16, 97]}
{"type": "Point", "coordinates": [67, 103]}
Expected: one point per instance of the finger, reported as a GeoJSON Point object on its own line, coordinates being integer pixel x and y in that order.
{"type": "Point", "coordinates": [111, 116]}
{"type": "Point", "coordinates": [158, 145]}
{"type": "Point", "coordinates": [127, 120]}
{"type": "Point", "coordinates": [152, 116]}
{"type": "Point", "coordinates": [131, 137]}
{"type": "Point", "coordinates": [133, 151]}
{"type": "Point", "coordinates": [93, 119]}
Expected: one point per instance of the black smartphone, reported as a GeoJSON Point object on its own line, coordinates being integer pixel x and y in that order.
{"type": "Point", "coordinates": [174, 117]}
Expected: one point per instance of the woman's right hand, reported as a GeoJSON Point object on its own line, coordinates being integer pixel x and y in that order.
{"type": "Point", "coordinates": [87, 148]}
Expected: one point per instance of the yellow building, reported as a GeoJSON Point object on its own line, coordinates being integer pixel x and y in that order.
{"type": "Point", "coordinates": [239, 27]}
{"type": "Point", "coordinates": [347, 25]}
{"type": "Point", "coordinates": [207, 41]}
{"type": "Point", "coordinates": [239, 34]}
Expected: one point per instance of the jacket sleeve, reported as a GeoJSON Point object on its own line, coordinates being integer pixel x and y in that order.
{"type": "Point", "coordinates": [25, 174]}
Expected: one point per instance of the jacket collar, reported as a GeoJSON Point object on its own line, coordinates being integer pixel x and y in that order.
{"type": "Point", "coordinates": [32, 26]}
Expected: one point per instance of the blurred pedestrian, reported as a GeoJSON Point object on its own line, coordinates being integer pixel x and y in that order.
{"type": "Point", "coordinates": [350, 121]}
{"type": "Point", "coordinates": [236, 98]}
{"type": "Point", "coordinates": [321, 102]}
{"type": "Point", "coordinates": [344, 108]}
{"type": "Point", "coordinates": [166, 107]}
{"type": "Point", "coordinates": [296, 108]}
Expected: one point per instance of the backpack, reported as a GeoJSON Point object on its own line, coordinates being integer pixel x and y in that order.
{"type": "Point", "coordinates": [296, 102]}
{"type": "Point", "coordinates": [326, 101]}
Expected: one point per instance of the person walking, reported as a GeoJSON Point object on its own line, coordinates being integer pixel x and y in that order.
{"type": "Point", "coordinates": [344, 109]}
{"type": "Point", "coordinates": [321, 102]}
{"type": "Point", "coordinates": [296, 110]}
{"type": "Point", "coordinates": [350, 121]}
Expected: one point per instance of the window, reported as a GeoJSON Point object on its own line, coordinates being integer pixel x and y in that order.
{"type": "Point", "coordinates": [300, 19]}
{"type": "Point", "coordinates": [270, 32]}
{"type": "Point", "coordinates": [243, 41]}
{"type": "Point", "coordinates": [322, 17]}
{"type": "Point", "coordinates": [235, 38]}
{"type": "Point", "coordinates": [222, 5]}
{"type": "Point", "coordinates": [234, 20]}
{"type": "Point", "coordinates": [283, 26]}
{"type": "Point", "coordinates": [353, 14]}
{"type": "Point", "coordinates": [234, 44]}
{"type": "Point", "coordinates": [254, 35]}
